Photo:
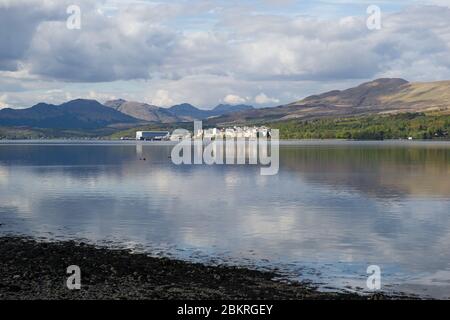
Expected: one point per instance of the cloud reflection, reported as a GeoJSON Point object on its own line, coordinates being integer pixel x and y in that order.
{"type": "Point", "coordinates": [328, 204]}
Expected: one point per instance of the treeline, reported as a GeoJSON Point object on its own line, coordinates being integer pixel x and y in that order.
{"type": "Point", "coordinates": [22, 133]}
{"type": "Point", "coordinates": [380, 127]}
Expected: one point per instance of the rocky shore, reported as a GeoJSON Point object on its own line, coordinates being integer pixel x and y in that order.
{"type": "Point", "coordinates": [37, 270]}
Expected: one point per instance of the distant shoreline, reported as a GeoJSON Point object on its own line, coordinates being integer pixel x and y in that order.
{"type": "Point", "coordinates": [37, 270]}
{"type": "Point", "coordinates": [282, 141]}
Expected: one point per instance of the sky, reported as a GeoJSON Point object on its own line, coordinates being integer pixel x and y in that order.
{"type": "Point", "coordinates": [207, 52]}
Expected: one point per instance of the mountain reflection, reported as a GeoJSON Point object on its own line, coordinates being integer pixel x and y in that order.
{"type": "Point", "coordinates": [331, 203]}
{"type": "Point", "coordinates": [378, 170]}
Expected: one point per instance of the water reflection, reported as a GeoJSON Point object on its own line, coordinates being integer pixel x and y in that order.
{"type": "Point", "coordinates": [384, 171]}
{"type": "Point", "coordinates": [335, 207]}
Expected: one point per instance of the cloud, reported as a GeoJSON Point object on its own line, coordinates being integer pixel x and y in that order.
{"type": "Point", "coordinates": [162, 98]}
{"type": "Point", "coordinates": [234, 99]}
{"type": "Point", "coordinates": [17, 25]}
{"type": "Point", "coordinates": [202, 50]}
{"type": "Point", "coordinates": [105, 49]}
{"type": "Point", "coordinates": [264, 99]}
{"type": "Point", "coordinates": [3, 99]}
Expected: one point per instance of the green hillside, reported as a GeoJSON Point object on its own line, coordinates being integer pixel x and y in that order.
{"type": "Point", "coordinates": [399, 126]}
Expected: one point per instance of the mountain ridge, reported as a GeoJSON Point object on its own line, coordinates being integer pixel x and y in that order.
{"type": "Point", "coordinates": [177, 113]}
{"type": "Point", "coordinates": [91, 114]}
{"type": "Point", "coordinates": [74, 114]}
{"type": "Point", "coordinates": [142, 111]}
{"type": "Point", "coordinates": [380, 96]}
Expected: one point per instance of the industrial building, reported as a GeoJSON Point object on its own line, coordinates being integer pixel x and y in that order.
{"type": "Point", "coordinates": [152, 135]}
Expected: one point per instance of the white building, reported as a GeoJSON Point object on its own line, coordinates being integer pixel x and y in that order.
{"type": "Point", "coordinates": [211, 133]}
{"type": "Point", "coordinates": [152, 135]}
{"type": "Point", "coordinates": [227, 133]}
{"type": "Point", "coordinates": [263, 131]}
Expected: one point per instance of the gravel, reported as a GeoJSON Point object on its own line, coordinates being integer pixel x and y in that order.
{"type": "Point", "coordinates": [38, 270]}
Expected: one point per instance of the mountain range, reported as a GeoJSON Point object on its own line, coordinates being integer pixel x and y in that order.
{"type": "Point", "coordinates": [177, 113]}
{"type": "Point", "coordinates": [75, 114]}
{"type": "Point", "coordinates": [381, 96]}
{"type": "Point", "coordinates": [143, 111]}
{"type": "Point", "coordinates": [90, 114]}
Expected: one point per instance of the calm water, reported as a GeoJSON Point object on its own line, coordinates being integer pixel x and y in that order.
{"type": "Point", "coordinates": [333, 209]}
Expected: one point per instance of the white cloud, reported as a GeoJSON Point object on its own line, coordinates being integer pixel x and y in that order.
{"type": "Point", "coordinates": [201, 52]}
{"type": "Point", "coordinates": [234, 99]}
{"type": "Point", "coordinates": [3, 99]}
{"type": "Point", "coordinates": [162, 98]}
{"type": "Point", "coordinates": [94, 95]}
{"type": "Point", "coordinates": [262, 98]}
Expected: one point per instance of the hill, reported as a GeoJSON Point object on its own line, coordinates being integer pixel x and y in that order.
{"type": "Point", "coordinates": [222, 109]}
{"type": "Point", "coordinates": [187, 112]}
{"type": "Point", "coordinates": [378, 97]}
{"type": "Point", "coordinates": [143, 111]}
{"type": "Point", "coordinates": [184, 112]}
{"type": "Point", "coordinates": [75, 114]}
